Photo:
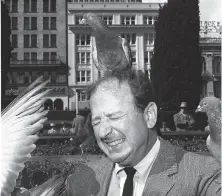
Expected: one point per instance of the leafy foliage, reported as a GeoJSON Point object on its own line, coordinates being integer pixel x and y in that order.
{"type": "Point", "coordinates": [176, 63]}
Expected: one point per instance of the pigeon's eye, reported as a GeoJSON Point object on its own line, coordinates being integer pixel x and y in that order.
{"type": "Point", "coordinates": [204, 103]}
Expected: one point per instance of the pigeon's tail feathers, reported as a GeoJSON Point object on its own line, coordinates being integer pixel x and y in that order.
{"type": "Point", "coordinates": [31, 86]}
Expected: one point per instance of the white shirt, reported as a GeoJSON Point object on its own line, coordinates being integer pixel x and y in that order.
{"type": "Point", "coordinates": [142, 171]}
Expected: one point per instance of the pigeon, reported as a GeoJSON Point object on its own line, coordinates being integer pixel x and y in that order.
{"type": "Point", "coordinates": [212, 107]}
{"type": "Point", "coordinates": [111, 52]}
{"type": "Point", "coordinates": [21, 120]}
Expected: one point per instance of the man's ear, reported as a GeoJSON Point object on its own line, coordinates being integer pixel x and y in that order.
{"type": "Point", "coordinates": [150, 115]}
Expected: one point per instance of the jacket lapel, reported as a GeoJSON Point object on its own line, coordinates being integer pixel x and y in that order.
{"type": "Point", "coordinates": [103, 175]}
{"type": "Point", "coordinates": [160, 179]}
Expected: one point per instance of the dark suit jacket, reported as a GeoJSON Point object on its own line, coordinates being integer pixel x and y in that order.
{"type": "Point", "coordinates": [175, 172]}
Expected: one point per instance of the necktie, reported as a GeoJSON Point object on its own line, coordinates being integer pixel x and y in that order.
{"type": "Point", "coordinates": [128, 186]}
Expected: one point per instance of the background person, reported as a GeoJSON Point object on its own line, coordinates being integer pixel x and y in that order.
{"type": "Point", "coordinates": [183, 120]}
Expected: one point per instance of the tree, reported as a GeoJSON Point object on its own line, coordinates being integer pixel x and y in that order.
{"type": "Point", "coordinates": [176, 63]}
{"type": "Point", "coordinates": [6, 47]}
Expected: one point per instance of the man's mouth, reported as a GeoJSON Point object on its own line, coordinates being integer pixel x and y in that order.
{"type": "Point", "coordinates": [115, 143]}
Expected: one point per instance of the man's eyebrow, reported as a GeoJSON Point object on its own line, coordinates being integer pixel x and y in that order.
{"type": "Point", "coordinates": [114, 113]}
{"type": "Point", "coordinates": [96, 118]}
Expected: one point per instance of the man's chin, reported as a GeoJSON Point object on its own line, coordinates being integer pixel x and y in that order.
{"type": "Point", "coordinates": [120, 159]}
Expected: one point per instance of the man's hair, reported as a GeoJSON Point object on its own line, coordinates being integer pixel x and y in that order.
{"type": "Point", "coordinates": [138, 82]}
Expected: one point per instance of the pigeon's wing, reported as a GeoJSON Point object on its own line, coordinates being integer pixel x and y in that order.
{"type": "Point", "coordinates": [127, 50]}
{"type": "Point", "coordinates": [52, 187]}
{"type": "Point", "coordinates": [20, 122]}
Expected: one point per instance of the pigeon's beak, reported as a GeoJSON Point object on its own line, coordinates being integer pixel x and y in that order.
{"type": "Point", "coordinates": [83, 21]}
{"type": "Point", "coordinates": [198, 109]}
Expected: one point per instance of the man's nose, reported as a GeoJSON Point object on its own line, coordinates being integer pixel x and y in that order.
{"type": "Point", "coordinates": [105, 128]}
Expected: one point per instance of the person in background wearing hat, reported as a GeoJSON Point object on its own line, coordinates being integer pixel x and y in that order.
{"type": "Point", "coordinates": [183, 120]}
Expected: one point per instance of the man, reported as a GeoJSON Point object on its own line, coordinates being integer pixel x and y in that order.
{"type": "Point", "coordinates": [164, 128]}
{"type": "Point", "coordinates": [78, 123]}
{"type": "Point", "coordinates": [124, 117]}
{"type": "Point", "coordinates": [183, 120]}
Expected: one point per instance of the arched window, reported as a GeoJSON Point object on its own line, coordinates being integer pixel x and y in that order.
{"type": "Point", "coordinates": [216, 65]}
{"type": "Point", "coordinates": [48, 105]}
{"type": "Point", "coordinates": [204, 67]}
{"type": "Point", "coordinates": [58, 104]}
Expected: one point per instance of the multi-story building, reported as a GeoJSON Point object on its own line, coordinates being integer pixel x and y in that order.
{"type": "Point", "coordinates": [210, 43]}
{"type": "Point", "coordinates": [131, 19]}
{"type": "Point", "coordinates": [39, 42]}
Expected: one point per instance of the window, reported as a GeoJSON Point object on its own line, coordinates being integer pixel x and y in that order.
{"type": "Point", "coordinates": [27, 77]}
{"type": "Point", "coordinates": [46, 57]}
{"type": "Point", "coordinates": [53, 56]}
{"type": "Point", "coordinates": [53, 23]}
{"type": "Point", "coordinates": [14, 56]}
{"type": "Point", "coordinates": [149, 20]}
{"type": "Point", "coordinates": [26, 56]}
{"type": "Point", "coordinates": [82, 39]}
{"type": "Point", "coordinates": [34, 57]}
{"type": "Point", "coordinates": [33, 23]}
{"type": "Point", "coordinates": [128, 20]}
{"type": "Point", "coordinates": [20, 78]}
{"type": "Point", "coordinates": [130, 37]}
{"type": "Point", "coordinates": [53, 41]}
{"type": "Point", "coordinates": [53, 6]}
{"type": "Point", "coordinates": [217, 65]}
{"type": "Point", "coordinates": [14, 5]}
{"type": "Point", "coordinates": [49, 57]}
{"type": "Point", "coordinates": [82, 95]}
{"type": "Point", "coordinates": [45, 41]}
{"type": "Point", "coordinates": [34, 41]}
{"type": "Point", "coordinates": [149, 38]}
{"type": "Point", "coordinates": [30, 43]}
{"type": "Point", "coordinates": [33, 5]}
{"type": "Point", "coordinates": [45, 23]}
{"type": "Point", "coordinates": [14, 23]}
{"type": "Point", "coordinates": [26, 41]}
{"type": "Point", "coordinates": [204, 68]}
{"type": "Point", "coordinates": [26, 23]}
{"type": "Point", "coordinates": [14, 41]}
{"type": "Point", "coordinates": [83, 57]}
{"type": "Point", "coordinates": [26, 5]}
{"type": "Point", "coordinates": [78, 19]}
{"type": "Point", "coordinates": [148, 55]}
{"type": "Point", "coordinates": [83, 76]}
{"type": "Point", "coordinates": [45, 5]}
{"type": "Point", "coordinates": [108, 19]}
{"type": "Point", "coordinates": [133, 57]}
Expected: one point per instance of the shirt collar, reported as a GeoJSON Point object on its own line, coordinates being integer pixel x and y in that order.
{"type": "Point", "coordinates": [144, 166]}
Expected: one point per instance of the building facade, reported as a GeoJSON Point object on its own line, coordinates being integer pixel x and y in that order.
{"type": "Point", "coordinates": [132, 20]}
{"type": "Point", "coordinates": [210, 44]}
{"type": "Point", "coordinates": [39, 42]}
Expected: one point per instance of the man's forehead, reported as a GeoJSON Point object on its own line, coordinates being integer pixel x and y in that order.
{"type": "Point", "coordinates": [114, 87]}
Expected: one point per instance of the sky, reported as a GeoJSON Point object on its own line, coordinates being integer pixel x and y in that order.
{"type": "Point", "coordinates": [210, 10]}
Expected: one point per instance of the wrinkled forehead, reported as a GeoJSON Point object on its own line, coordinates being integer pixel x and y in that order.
{"type": "Point", "coordinates": [113, 88]}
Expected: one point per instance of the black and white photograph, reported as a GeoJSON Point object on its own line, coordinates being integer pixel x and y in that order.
{"type": "Point", "coordinates": [110, 98]}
